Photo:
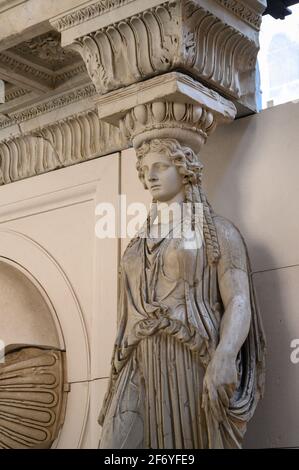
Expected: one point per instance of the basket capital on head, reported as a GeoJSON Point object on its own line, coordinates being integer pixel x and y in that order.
{"type": "Point", "coordinates": [172, 106]}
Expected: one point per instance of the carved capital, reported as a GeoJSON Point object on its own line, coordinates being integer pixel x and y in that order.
{"type": "Point", "coordinates": [169, 106]}
{"type": "Point", "coordinates": [216, 41]}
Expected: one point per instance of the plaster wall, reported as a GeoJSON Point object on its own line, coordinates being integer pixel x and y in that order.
{"type": "Point", "coordinates": [251, 177]}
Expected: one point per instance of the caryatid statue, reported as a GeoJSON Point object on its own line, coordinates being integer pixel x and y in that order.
{"type": "Point", "coordinates": [188, 361]}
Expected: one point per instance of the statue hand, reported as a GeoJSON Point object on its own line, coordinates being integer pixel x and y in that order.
{"type": "Point", "coordinates": [219, 383]}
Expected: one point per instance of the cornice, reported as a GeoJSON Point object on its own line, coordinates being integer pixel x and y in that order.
{"type": "Point", "coordinates": [243, 11]}
{"type": "Point", "coordinates": [56, 103]}
{"type": "Point", "coordinates": [87, 13]}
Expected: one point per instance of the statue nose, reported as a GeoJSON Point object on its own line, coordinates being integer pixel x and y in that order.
{"type": "Point", "coordinates": [152, 177]}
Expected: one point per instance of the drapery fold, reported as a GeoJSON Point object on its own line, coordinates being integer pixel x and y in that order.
{"type": "Point", "coordinates": [164, 344]}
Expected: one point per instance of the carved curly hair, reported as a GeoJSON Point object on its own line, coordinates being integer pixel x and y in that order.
{"type": "Point", "coordinates": [191, 169]}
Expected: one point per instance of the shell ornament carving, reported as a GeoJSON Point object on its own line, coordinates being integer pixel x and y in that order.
{"type": "Point", "coordinates": [32, 398]}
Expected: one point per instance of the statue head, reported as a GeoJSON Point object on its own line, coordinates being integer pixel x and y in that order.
{"type": "Point", "coordinates": [172, 172]}
{"type": "Point", "coordinates": [167, 169]}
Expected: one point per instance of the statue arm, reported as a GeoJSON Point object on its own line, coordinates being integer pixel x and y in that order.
{"type": "Point", "coordinates": [235, 324]}
{"type": "Point", "coordinates": [221, 378]}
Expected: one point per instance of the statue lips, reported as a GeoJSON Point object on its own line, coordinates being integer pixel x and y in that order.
{"type": "Point", "coordinates": [155, 186]}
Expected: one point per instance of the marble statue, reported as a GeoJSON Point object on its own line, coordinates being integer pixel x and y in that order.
{"type": "Point", "coordinates": [188, 362]}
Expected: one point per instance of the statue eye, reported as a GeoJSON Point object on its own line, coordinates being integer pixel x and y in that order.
{"type": "Point", "coordinates": [162, 166]}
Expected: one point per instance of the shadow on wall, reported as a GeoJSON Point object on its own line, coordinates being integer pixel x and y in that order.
{"type": "Point", "coordinates": [250, 178]}
{"type": "Point", "coordinates": [275, 423]}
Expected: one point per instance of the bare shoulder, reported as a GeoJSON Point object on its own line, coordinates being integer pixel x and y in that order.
{"type": "Point", "coordinates": [232, 246]}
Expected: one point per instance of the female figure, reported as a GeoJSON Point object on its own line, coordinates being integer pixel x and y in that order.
{"type": "Point", "coordinates": [188, 362]}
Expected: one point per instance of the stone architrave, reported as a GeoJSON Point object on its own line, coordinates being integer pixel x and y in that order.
{"type": "Point", "coordinates": [122, 42]}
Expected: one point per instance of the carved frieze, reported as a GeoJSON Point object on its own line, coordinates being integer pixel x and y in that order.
{"type": "Point", "coordinates": [32, 398]}
{"type": "Point", "coordinates": [87, 13]}
{"type": "Point", "coordinates": [187, 35]}
{"type": "Point", "coordinates": [64, 143]}
{"type": "Point", "coordinates": [244, 11]}
{"type": "Point", "coordinates": [240, 8]}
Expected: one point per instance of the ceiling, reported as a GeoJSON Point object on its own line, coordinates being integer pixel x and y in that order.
{"type": "Point", "coordinates": [38, 69]}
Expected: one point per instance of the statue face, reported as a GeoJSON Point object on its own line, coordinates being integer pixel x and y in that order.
{"type": "Point", "coordinates": [162, 178]}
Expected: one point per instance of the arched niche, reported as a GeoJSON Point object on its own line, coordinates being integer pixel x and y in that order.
{"type": "Point", "coordinates": [49, 296]}
{"type": "Point", "coordinates": [32, 371]}
{"type": "Point", "coordinates": [26, 313]}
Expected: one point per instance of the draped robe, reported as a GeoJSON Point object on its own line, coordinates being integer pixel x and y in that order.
{"type": "Point", "coordinates": [170, 311]}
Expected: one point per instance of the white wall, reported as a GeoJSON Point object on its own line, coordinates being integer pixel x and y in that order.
{"type": "Point", "coordinates": [251, 177]}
